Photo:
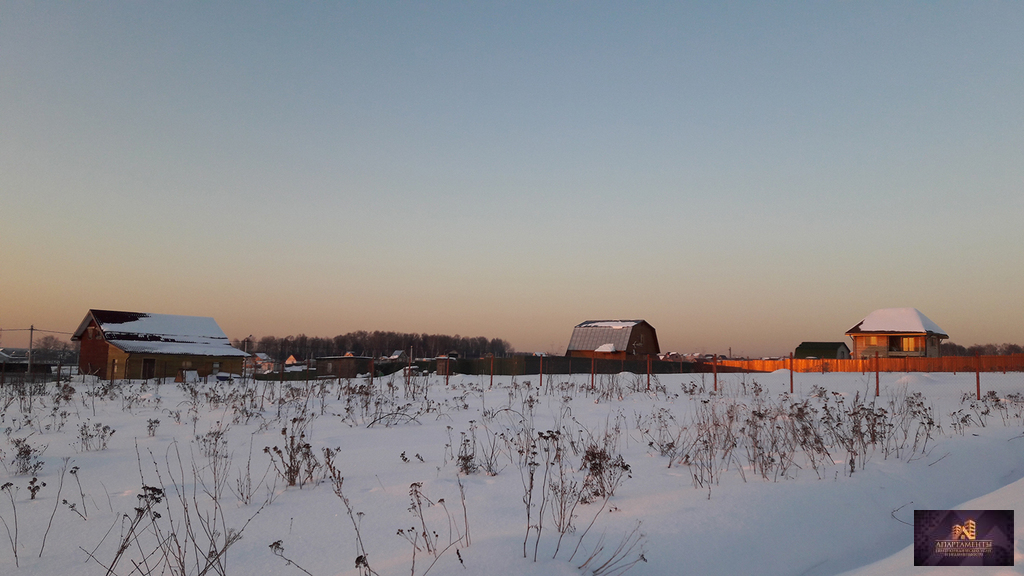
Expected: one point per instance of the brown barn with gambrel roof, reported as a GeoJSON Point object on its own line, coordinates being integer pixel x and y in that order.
{"type": "Point", "coordinates": [618, 339]}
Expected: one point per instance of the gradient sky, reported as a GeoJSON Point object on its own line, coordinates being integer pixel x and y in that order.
{"type": "Point", "coordinates": [741, 175]}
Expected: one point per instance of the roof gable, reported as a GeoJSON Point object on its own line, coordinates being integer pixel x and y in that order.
{"type": "Point", "coordinates": [898, 321]}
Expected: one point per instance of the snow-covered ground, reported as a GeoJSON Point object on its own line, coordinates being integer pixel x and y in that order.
{"type": "Point", "coordinates": [749, 480]}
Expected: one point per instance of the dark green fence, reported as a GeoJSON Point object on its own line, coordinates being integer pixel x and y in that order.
{"type": "Point", "coordinates": [511, 366]}
{"type": "Point", "coordinates": [524, 365]}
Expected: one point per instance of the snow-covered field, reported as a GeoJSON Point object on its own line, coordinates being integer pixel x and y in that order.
{"type": "Point", "coordinates": [151, 478]}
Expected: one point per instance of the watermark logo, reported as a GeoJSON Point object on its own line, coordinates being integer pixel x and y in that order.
{"type": "Point", "coordinates": [963, 537]}
{"type": "Point", "coordinates": [966, 532]}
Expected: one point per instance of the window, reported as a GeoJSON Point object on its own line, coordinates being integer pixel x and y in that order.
{"type": "Point", "coordinates": [906, 343]}
{"type": "Point", "coordinates": [873, 340]}
{"type": "Point", "coordinates": [913, 343]}
{"type": "Point", "coordinates": [186, 364]}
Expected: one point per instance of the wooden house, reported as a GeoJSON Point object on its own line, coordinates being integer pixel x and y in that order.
{"type": "Point", "coordinates": [117, 345]}
{"type": "Point", "coordinates": [614, 339]}
{"type": "Point", "coordinates": [262, 363]}
{"type": "Point", "coordinates": [896, 332]}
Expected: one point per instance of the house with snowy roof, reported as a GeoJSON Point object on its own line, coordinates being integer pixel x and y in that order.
{"type": "Point", "coordinates": [617, 339]}
{"type": "Point", "coordinates": [13, 359]}
{"type": "Point", "coordinates": [896, 332]}
{"type": "Point", "coordinates": [262, 362]}
{"type": "Point", "coordinates": [117, 345]}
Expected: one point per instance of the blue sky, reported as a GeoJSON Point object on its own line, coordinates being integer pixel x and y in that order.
{"type": "Point", "coordinates": [744, 175]}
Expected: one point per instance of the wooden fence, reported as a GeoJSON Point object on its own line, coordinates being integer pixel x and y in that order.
{"type": "Point", "coordinates": [1010, 363]}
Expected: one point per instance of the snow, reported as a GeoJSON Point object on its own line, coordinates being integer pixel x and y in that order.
{"type": "Point", "coordinates": [164, 334]}
{"type": "Point", "coordinates": [804, 521]}
{"type": "Point", "coordinates": [609, 347]}
{"type": "Point", "coordinates": [202, 327]}
{"type": "Point", "coordinates": [898, 320]}
{"type": "Point", "coordinates": [610, 324]}
{"type": "Point", "coordinates": [171, 347]}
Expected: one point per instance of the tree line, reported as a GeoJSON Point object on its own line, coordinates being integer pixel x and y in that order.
{"type": "Point", "coordinates": [375, 344]}
{"type": "Point", "coordinates": [953, 349]}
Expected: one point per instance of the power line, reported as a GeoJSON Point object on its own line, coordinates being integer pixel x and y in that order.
{"type": "Point", "coordinates": [35, 329]}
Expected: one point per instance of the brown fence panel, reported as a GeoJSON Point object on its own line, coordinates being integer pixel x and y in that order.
{"type": "Point", "coordinates": [1010, 363]}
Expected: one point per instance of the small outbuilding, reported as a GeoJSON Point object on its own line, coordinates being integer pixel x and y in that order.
{"type": "Point", "coordinates": [118, 345]}
{"type": "Point", "coordinates": [617, 339]}
{"type": "Point", "coordinates": [896, 332]}
{"type": "Point", "coordinates": [826, 350]}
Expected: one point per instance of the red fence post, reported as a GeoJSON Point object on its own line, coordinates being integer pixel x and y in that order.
{"type": "Point", "coordinates": [591, 372]}
{"type": "Point", "coordinates": [977, 372]}
{"type": "Point", "coordinates": [876, 374]}
{"type": "Point", "coordinates": [790, 372]}
{"type": "Point", "coordinates": [714, 368]}
{"type": "Point", "coordinates": [648, 372]}
{"type": "Point", "coordinates": [541, 383]}
{"type": "Point", "coordinates": [492, 371]}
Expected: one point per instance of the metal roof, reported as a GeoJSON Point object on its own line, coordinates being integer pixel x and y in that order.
{"type": "Point", "coordinates": [594, 334]}
{"type": "Point", "coordinates": [141, 333]}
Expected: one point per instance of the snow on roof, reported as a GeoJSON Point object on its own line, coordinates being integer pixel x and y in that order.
{"type": "Point", "coordinates": [141, 333]}
{"type": "Point", "coordinates": [609, 323]}
{"type": "Point", "coordinates": [901, 320]}
{"type": "Point", "coordinates": [12, 355]}
{"type": "Point", "coordinates": [609, 347]}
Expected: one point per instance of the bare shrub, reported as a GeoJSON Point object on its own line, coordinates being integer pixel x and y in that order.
{"type": "Point", "coordinates": [296, 463]}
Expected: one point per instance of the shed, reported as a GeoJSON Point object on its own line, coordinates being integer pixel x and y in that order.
{"type": "Point", "coordinates": [896, 332]}
{"type": "Point", "coordinates": [117, 344]}
{"type": "Point", "coordinates": [828, 350]}
{"type": "Point", "coordinates": [613, 339]}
